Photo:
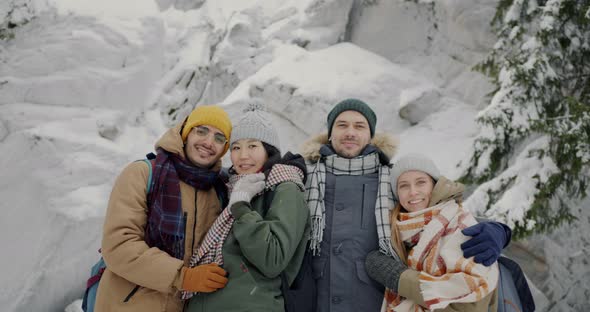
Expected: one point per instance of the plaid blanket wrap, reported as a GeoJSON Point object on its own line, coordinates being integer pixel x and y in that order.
{"type": "Point", "coordinates": [361, 165]}
{"type": "Point", "coordinates": [211, 249]}
{"type": "Point", "coordinates": [445, 275]}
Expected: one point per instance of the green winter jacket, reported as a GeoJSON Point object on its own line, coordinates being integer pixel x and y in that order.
{"type": "Point", "coordinates": [259, 247]}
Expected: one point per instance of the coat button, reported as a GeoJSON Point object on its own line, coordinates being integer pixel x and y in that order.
{"type": "Point", "coordinates": [336, 299]}
{"type": "Point", "coordinates": [337, 249]}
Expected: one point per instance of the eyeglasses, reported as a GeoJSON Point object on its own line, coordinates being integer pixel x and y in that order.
{"type": "Point", "coordinates": [202, 131]}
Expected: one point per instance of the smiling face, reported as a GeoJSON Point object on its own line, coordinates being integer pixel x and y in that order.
{"type": "Point", "coordinates": [414, 189]}
{"type": "Point", "coordinates": [204, 146]}
{"type": "Point", "coordinates": [248, 156]}
{"type": "Point", "coordinates": [350, 134]}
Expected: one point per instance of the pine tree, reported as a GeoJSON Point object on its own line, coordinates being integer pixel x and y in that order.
{"type": "Point", "coordinates": [539, 115]}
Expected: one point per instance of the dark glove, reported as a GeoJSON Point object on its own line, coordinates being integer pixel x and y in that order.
{"type": "Point", "coordinates": [489, 238]}
{"type": "Point", "coordinates": [384, 269]}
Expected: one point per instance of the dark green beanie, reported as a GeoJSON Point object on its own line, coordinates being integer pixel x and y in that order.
{"type": "Point", "coordinates": [355, 105]}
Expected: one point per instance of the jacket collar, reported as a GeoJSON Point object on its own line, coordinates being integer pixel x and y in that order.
{"type": "Point", "coordinates": [319, 146]}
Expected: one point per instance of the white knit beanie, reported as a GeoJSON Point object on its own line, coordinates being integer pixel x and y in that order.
{"type": "Point", "coordinates": [411, 162]}
{"type": "Point", "coordinates": [255, 124]}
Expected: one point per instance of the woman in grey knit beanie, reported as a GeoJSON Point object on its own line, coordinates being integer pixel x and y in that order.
{"type": "Point", "coordinates": [261, 237]}
{"type": "Point", "coordinates": [254, 142]}
{"type": "Point", "coordinates": [426, 233]}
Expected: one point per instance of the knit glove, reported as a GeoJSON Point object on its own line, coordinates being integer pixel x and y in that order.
{"type": "Point", "coordinates": [488, 240]}
{"type": "Point", "coordinates": [204, 278]}
{"type": "Point", "coordinates": [246, 188]}
{"type": "Point", "coordinates": [384, 269]}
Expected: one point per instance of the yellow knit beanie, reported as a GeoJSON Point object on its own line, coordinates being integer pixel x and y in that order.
{"type": "Point", "coordinates": [208, 115]}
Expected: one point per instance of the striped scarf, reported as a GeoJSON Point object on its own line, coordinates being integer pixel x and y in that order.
{"type": "Point", "coordinates": [211, 250]}
{"type": "Point", "coordinates": [165, 227]}
{"type": "Point", "coordinates": [361, 165]}
{"type": "Point", "coordinates": [445, 275]}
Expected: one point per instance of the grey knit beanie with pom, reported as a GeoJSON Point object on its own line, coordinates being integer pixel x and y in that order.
{"type": "Point", "coordinates": [255, 124]}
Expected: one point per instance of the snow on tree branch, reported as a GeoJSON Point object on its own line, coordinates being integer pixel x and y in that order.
{"type": "Point", "coordinates": [541, 66]}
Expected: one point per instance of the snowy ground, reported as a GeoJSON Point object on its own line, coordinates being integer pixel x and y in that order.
{"type": "Point", "coordinates": [88, 86]}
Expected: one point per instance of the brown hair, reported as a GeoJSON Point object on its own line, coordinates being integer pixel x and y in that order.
{"type": "Point", "coordinates": [396, 240]}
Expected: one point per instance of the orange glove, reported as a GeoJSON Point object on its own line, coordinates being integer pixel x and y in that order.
{"type": "Point", "coordinates": [204, 278]}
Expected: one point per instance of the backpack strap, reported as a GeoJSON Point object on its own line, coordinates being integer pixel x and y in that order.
{"type": "Point", "coordinates": [97, 271]}
{"type": "Point", "coordinates": [150, 163]}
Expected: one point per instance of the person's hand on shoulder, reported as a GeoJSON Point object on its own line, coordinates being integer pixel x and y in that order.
{"type": "Point", "coordinates": [488, 240]}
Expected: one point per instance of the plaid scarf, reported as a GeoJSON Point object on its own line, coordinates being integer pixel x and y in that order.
{"type": "Point", "coordinates": [361, 165]}
{"type": "Point", "coordinates": [211, 250]}
{"type": "Point", "coordinates": [165, 227]}
{"type": "Point", "coordinates": [445, 275]}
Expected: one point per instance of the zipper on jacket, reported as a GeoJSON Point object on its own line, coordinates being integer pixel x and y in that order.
{"type": "Point", "coordinates": [184, 223]}
{"type": "Point", "coordinates": [184, 219]}
{"type": "Point", "coordinates": [363, 207]}
{"type": "Point", "coordinates": [195, 223]}
{"type": "Point", "coordinates": [135, 289]}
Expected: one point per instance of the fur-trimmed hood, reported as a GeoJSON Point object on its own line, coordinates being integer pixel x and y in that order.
{"type": "Point", "coordinates": [310, 150]}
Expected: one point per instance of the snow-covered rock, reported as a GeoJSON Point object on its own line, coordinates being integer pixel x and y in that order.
{"type": "Point", "coordinates": [80, 62]}
{"type": "Point", "coordinates": [229, 41]}
{"type": "Point", "coordinates": [111, 128]}
{"type": "Point", "coordinates": [301, 87]}
{"type": "Point", "coordinates": [417, 103]}
{"type": "Point", "coordinates": [75, 306]}
{"type": "Point", "coordinates": [3, 131]}
{"type": "Point", "coordinates": [184, 5]}
{"type": "Point", "coordinates": [440, 39]}
{"type": "Point", "coordinates": [57, 174]}
{"type": "Point", "coordinates": [447, 135]}
{"type": "Point", "coordinates": [18, 12]}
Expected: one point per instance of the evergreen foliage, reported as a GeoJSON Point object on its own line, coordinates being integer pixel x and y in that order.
{"type": "Point", "coordinates": [541, 67]}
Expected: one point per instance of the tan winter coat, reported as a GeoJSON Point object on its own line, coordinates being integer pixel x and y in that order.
{"type": "Point", "coordinates": [130, 262]}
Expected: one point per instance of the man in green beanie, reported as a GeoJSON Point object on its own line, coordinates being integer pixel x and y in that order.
{"type": "Point", "coordinates": [349, 195]}
{"type": "Point", "coordinates": [351, 125]}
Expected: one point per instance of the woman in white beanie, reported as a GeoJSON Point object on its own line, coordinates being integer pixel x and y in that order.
{"type": "Point", "coordinates": [426, 233]}
{"type": "Point", "coordinates": [261, 237]}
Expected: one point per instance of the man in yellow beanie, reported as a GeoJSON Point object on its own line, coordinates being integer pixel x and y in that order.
{"type": "Point", "coordinates": [157, 218]}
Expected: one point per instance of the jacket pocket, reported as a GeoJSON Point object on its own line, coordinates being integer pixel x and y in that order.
{"type": "Point", "coordinates": [246, 279]}
{"type": "Point", "coordinates": [318, 267]}
{"type": "Point", "coordinates": [361, 273]}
